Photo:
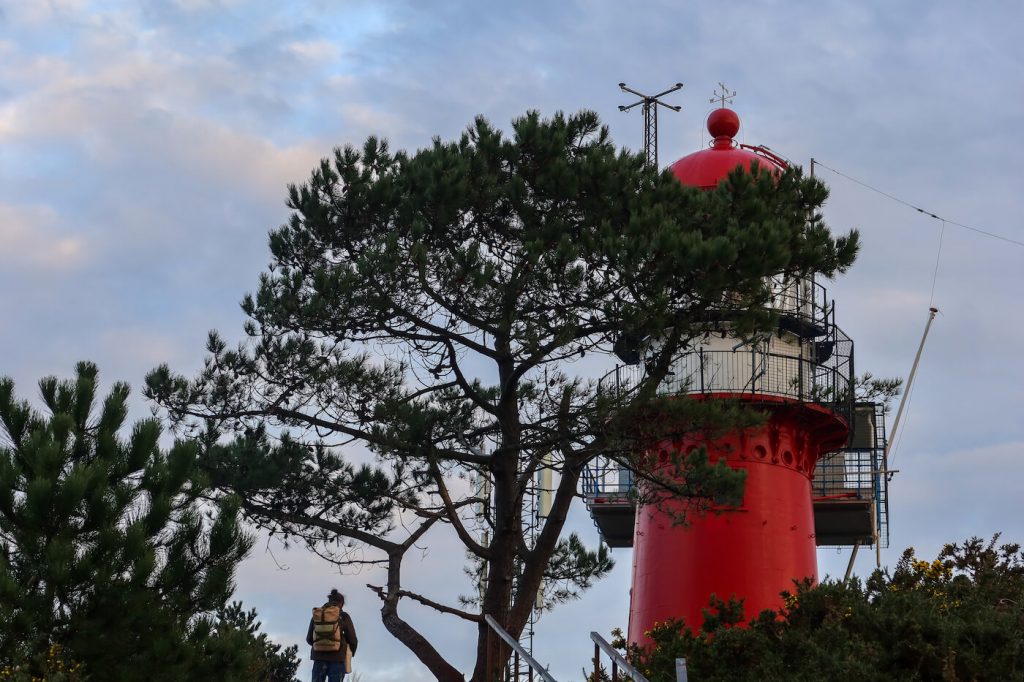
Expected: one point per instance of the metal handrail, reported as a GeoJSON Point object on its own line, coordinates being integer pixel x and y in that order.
{"type": "Point", "coordinates": [520, 651]}
{"type": "Point", "coordinates": [796, 297]}
{"type": "Point", "coordinates": [617, 659]}
{"type": "Point", "coordinates": [696, 372]}
{"type": "Point", "coordinates": [856, 472]}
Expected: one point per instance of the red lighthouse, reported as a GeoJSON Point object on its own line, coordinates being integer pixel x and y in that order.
{"type": "Point", "coordinates": [808, 483]}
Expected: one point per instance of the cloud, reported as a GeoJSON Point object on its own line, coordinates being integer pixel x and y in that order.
{"type": "Point", "coordinates": [190, 6]}
{"type": "Point", "coordinates": [314, 50]}
{"type": "Point", "coordinates": [144, 347]}
{"type": "Point", "coordinates": [40, 13]}
{"type": "Point", "coordinates": [962, 479]}
{"type": "Point", "coordinates": [30, 238]}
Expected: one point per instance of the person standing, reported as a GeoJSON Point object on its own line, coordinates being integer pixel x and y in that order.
{"type": "Point", "coordinates": [332, 638]}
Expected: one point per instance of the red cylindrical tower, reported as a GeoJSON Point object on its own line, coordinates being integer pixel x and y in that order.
{"type": "Point", "coordinates": [756, 550]}
{"type": "Point", "coordinates": [753, 551]}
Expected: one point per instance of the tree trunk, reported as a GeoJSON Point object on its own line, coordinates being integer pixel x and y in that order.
{"type": "Point", "coordinates": [405, 633]}
{"type": "Point", "coordinates": [415, 642]}
{"type": "Point", "coordinates": [492, 651]}
{"type": "Point", "coordinates": [533, 573]}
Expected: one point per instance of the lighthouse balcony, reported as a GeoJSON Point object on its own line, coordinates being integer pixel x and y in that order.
{"type": "Point", "coordinates": [800, 304]}
{"type": "Point", "coordinates": [608, 489]}
{"type": "Point", "coordinates": [848, 489]}
{"type": "Point", "coordinates": [776, 365]}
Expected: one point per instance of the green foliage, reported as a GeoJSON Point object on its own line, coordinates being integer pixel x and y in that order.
{"type": "Point", "coordinates": [49, 666]}
{"type": "Point", "coordinates": [599, 675]}
{"type": "Point", "coordinates": [110, 549]}
{"type": "Point", "coordinates": [442, 309]}
{"type": "Point", "coordinates": [233, 648]}
{"type": "Point", "coordinates": [959, 617]}
{"type": "Point", "coordinates": [572, 569]}
{"type": "Point", "coordinates": [869, 389]}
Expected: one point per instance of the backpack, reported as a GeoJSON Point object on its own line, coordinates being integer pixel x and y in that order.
{"type": "Point", "coordinates": [327, 628]}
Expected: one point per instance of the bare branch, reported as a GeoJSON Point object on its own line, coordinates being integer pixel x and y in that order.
{"type": "Point", "coordinates": [465, 615]}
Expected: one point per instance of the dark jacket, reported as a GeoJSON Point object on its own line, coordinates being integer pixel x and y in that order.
{"type": "Point", "coordinates": [348, 638]}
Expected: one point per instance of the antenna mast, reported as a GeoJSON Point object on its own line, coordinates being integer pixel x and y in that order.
{"type": "Point", "coordinates": [650, 108]}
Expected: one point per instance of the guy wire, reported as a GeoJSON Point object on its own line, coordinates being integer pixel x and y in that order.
{"type": "Point", "coordinates": [935, 274]}
{"type": "Point", "coordinates": [1015, 242]}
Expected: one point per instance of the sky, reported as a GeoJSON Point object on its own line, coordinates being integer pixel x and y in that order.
{"type": "Point", "coordinates": [145, 148]}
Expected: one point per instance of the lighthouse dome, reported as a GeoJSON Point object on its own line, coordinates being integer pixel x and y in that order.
{"type": "Point", "coordinates": [706, 168]}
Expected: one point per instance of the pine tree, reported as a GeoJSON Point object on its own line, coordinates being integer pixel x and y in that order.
{"type": "Point", "coordinates": [233, 648]}
{"type": "Point", "coordinates": [432, 306]}
{"type": "Point", "coordinates": [108, 547]}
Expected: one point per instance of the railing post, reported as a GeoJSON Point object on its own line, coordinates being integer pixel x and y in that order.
{"type": "Point", "coordinates": [753, 369]}
{"type": "Point", "coordinates": [681, 670]}
{"type": "Point", "coordinates": [700, 353]}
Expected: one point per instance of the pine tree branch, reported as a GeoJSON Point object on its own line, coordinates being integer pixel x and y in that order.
{"type": "Point", "coordinates": [459, 314]}
{"type": "Point", "coordinates": [338, 427]}
{"type": "Point", "coordinates": [452, 514]}
{"type": "Point", "coordinates": [441, 332]}
{"type": "Point", "coordinates": [465, 615]}
{"type": "Point", "coordinates": [427, 390]}
{"type": "Point", "coordinates": [464, 384]}
{"type": "Point", "coordinates": [420, 531]}
{"type": "Point", "coordinates": [405, 633]}
{"type": "Point", "coordinates": [544, 352]}
{"type": "Point", "coordinates": [370, 539]}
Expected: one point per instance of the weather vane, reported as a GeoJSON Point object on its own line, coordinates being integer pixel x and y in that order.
{"type": "Point", "coordinates": [650, 103]}
{"type": "Point", "coordinates": [724, 96]}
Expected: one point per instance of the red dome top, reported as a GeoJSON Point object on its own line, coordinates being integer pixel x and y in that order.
{"type": "Point", "coordinates": [706, 168]}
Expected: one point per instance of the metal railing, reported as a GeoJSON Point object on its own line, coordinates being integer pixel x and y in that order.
{"type": "Point", "coordinates": [804, 299]}
{"type": "Point", "coordinates": [604, 477]}
{"type": "Point", "coordinates": [519, 653]}
{"type": "Point", "coordinates": [799, 300]}
{"type": "Point", "coordinates": [855, 473]}
{"type": "Point", "coordinates": [628, 671]}
{"type": "Point", "coordinates": [847, 474]}
{"type": "Point", "coordinates": [746, 372]}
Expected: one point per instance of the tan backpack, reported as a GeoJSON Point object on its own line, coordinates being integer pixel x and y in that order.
{"type": "Point", "coordinates": [327, 628]}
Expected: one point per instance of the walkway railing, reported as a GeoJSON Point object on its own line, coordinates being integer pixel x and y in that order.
{"type": "Point", "coordinates": [745, 371]}
{"type": "Point", "coordinates": [519, 653]}
{"type": "Point", "coordinates": [628, 671]}
{"type": "Point", "coordinates": [801, 298]}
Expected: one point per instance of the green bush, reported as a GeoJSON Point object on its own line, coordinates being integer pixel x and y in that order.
{"type": "Point", "coordinates": [959, 617]}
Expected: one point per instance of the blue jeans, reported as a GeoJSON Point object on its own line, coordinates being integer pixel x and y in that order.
{"type": "Point", "coordinates": [328, 671]}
